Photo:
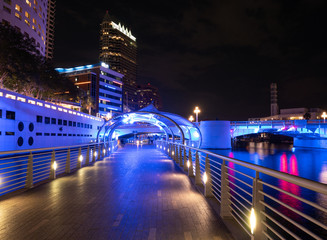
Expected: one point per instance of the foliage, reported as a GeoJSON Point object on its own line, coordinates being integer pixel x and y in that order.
{"type": "Point", "coordinates": [307, 116]}
{"type": "Point", "coordinates": [24, 70]}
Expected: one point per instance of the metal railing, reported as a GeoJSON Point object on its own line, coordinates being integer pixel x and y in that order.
{"type": "Point", "coordinates": [255, 196]}
{"type": "Point", "coordinates": [24, 168]}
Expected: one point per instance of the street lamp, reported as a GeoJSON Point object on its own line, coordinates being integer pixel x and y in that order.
{"type": "Point", "coordinates": [324, 115]}
{"type": "Point", "coordinates": [197, 111]}
{"type": "Point", "coordinates": [191, 118]}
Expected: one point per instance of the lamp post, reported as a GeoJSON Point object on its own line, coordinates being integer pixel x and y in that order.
{"type": "Point", "coordinates": [197, 111]}
{"type": "Point", "coordinates": [324, 115]}
{"type": "Point", "coordinates": [191, 118]}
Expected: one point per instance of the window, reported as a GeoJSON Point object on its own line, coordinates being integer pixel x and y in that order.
{"type": "Point", "coordinates": [65, 122]}
{"type": "Point", "coordinates": [6, 9]}
{"type": "Point", "coordinates": [74, 124]}
{"type": "Point", "coordinates": [18, 16]}
{"type": "Point", "coordinates": [59, 134]}
{"type": "Point", "coordinates": [65, 134]}
{"type": "Point", "coordinates": [39, 119]}
{"type": "Point", "coordinates": [78, 124]}
{"type": "Point", "coordinates": [53, 134]}
{"type": "Point", "coordinates": [8, 1]}
{"type": "Point", "coordinates": [53, 121]}
{"type": "Point", "coordinates": [47, 120]}
{"type": "Point", "coordinates": [69, 135]}
{"type": "Point", "coordinates": [10, 115]}
{"type": "Point", "coordinates": [70, 123]}
{"type": "Point", "coordinates": [18, 8]}
{"type": "Point", "coordinates": [10, 133]}
{"type": "Point", "coordinates": [59, 121]}
{"type": "Point", "coordinates": [34, 21]}
{"type": "Point", "coordinates": [38, 134]}
{"type": "Point", "coordinates": [27, 22]}
{"type": "Point", "coordinates": [28, 3]}
{"type": "Point", "coordinates": [81, 124]}
{"type": "Point", "coordinates": [35, 2]}
{"type": "Point", "coordinates": [46, 134]}
{"type": "Point", "coordinates": [0, 113]}
{"type": "Point", "coordinates": [27, 15]}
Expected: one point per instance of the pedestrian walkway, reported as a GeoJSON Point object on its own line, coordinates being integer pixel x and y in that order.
{"type": "Point", "coordinates": [136, 193]}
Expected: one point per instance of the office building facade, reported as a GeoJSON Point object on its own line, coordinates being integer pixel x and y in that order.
{"type": "Point", "coordinates": [34, 18]}
{"type": "Point", "coordinates": [103, 85]}
{"type": "Point", "coordinates": [148, 94]}
{"type": "Point", "coordinates": [118, 49]}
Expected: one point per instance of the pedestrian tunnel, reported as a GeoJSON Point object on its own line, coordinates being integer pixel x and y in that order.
{"type": "Point", "coordinates": [169, 126]}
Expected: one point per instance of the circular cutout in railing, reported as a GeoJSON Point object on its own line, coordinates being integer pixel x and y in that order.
{"type": "Point", "coordinates": [20, 126]}
{"type": "Point", "coordinates": [31, 127]}
{"type": "Point", "coordinates": [20, 141]}
{"type": "Point", "coordinates": [30, 141]}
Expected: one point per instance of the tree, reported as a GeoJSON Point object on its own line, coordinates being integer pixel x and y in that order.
{"type": "Point", "coordinates": [24, 70]}
{"type": "Point", "coordinates": [307, 116]}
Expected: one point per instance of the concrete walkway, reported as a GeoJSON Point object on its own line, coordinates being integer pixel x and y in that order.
{"type": "Point", "coordinates": [137, 193]}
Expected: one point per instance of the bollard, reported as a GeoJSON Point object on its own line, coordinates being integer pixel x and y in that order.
{"type": "Point", "coordinates": [197, 169]}
{"type": "Point", "coordinates": [190, 167]}
{"type": "Point", "coordinates": [29, 172]}
{"type": "Point", "coordinates": [258, 208]}
{"type": "Point", "coordinates": [67, 168]}
{"type": "Point", "coordinates": [87, 160]}
{"type": "Point", "coordinates": [53, 166]}
{"type": "Point", "coordinates": [208, 184]}
{"type": "Point", "coordinates": [225, 202]}
{"type": "Point", "coordinates": [79, 162]}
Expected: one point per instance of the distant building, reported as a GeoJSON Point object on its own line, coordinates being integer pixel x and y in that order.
{"type": "Point", "coordinates": [35, 18]}
{"type": "Point", "coordinates": [148, 94]}
{"type": "Point", "coordinates": [273, 100]}
{"type": "Point", "coordinates": [118, 49]}
{"type": "Point", "coordinates": [103, 85]}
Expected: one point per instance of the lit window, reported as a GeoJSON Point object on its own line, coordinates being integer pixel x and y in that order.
{"type": "Point", "coordinates": [42, 38]}
{"type": "Point", "coordinates": [35, 2]}
{"type": "Point", "coordinates": [18, 8]}
{"type": "Point", "coordinates": [40, 15]}
{"type": "Point", "coordinates": [33, 27]}
{"type": "Point", "coordinates": [6, 9]}
{"type": "Point", "coordinates": [35, 10]}
{"type": "Point", "coordinates": [34, 21]}
{"type": "Point", "coordinates": [17, 15]}
{"type": "Point", "coordinates": [27, 15]}
{"type": "Point", "coordinates": [40, 9]}
{"type": "Point", "coordinates": [27, 22]}
{"type": "Point", "coordinates": [28, 3]}
{"type": "Point", "coordinates": [39, 26]}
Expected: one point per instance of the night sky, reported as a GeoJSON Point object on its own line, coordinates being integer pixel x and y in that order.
{"type": "Point", "coordinates": [218, 55]}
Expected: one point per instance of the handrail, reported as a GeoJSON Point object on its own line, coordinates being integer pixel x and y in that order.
{"type": "Point", "coordinates": [303, 182]}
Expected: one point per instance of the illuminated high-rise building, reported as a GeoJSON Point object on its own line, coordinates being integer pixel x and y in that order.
{"type": "Point", "coordinates": [34, 18]}
{"type": "Point", "coordinates": [149, 94]}
{"type": "Point", "coordinates": [118, 49]}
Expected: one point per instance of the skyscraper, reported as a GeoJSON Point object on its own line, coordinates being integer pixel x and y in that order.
{"type": "Point", "coordinates": [118, 49]}
{"type": "Point", "coordinates": [35, 18]}
{"type": "Point", "coordinates": [273, 100]}
{"type": "Point", "coordinates": [149, 94]}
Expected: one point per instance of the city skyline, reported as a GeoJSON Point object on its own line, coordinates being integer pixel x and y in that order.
{"type": "Point", "coordinates": [219, 56]}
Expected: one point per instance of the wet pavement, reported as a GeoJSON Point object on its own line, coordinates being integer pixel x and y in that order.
{"type": "Point", "coordinates": [136, 193]}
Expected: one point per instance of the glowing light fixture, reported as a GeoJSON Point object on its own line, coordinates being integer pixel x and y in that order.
{"type": "Point", "coordinates": [95, 154]}
{"type": "Point", "coordinates": [191, 118]}
{"type": "Point", "coordinates": [205, 178]}
{"type": "Point", "coordinates": [104, 151]}
{"type": "Point", "coordinates": [197, 111]}
{"type": "Point", "coordinates": [188, 164]}
{"type": "Point", "coordinates": [173, 152]}
{"type": "Point", "coordinates": [55, 165]}
{"type": "Point", "coordinates": [253, 220]}
{"type": "Point", "coordinates": [80, 158]}
{"type": "Point", "coordinates": [324, 115]}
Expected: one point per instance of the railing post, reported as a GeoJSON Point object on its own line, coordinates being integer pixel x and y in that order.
{"type": "Point", "coordinates": [225, 201]}
{"type": "Point", "coordinates": [185, 159]}
{"type": "Point", "coordinates": [29, 172]}
{"type": "Point", "coordinates": [176, 153]}
{"type": "Point", "coordinates": [67, 168]}
{"type": "Point", "coordinates": [53, 166]}
{"type": "Point", "coordinates": [87, 160]}
{"type": "Point", "coordinates": [79, 162]}
{"type": "Point", "coordinates": [93, 154]}
{"type": "Point", "coordinates": [190, 168]}
{"type": "Point", "coordinates": [180, 156]}
{"type": "Point", "coordinates": [207, 186]}
{"type": "Point", "coordinates": [258, 207]}
{"type": "Point", "coordinates": [99, 152]}
{"type": "Point", "coordinates": [197, 169]}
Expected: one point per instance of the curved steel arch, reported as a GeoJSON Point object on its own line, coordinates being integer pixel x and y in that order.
{"type": "Point", "coordinates": [116, 124]}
